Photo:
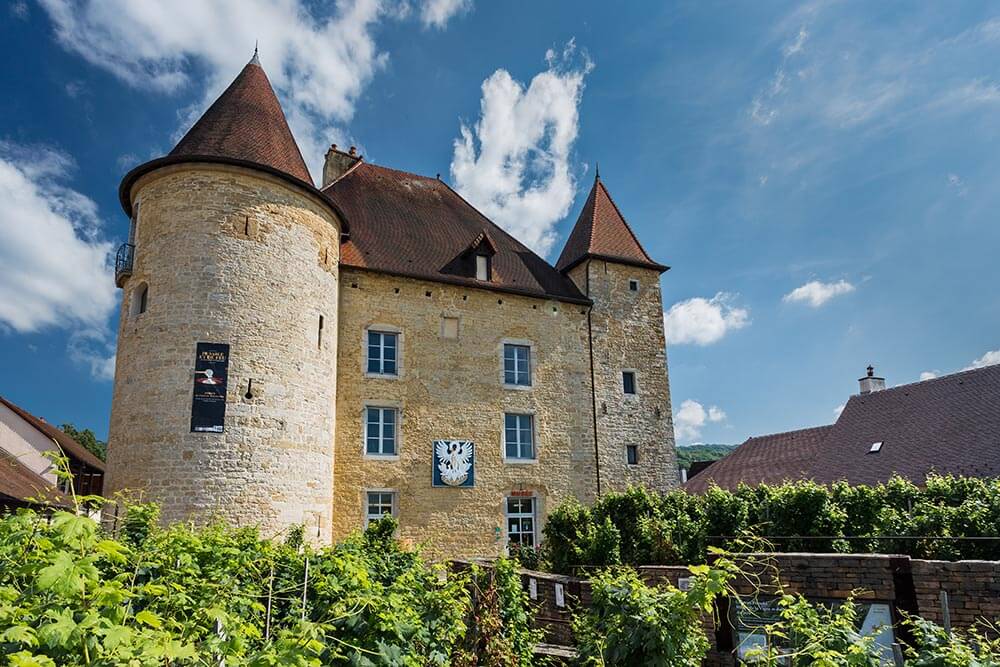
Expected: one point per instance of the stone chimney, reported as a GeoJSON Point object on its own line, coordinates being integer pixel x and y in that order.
{"type": "Point", "coordinates": [337, 163]}
{"type": "Point", "coordinates": [870, 383]}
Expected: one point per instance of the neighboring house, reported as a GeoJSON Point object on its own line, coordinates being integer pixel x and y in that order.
{"type": "Point", "coordinates": [948, 425]}
{"type": "Point", "coordinates": [292, 354]}
{"type": "Point", "coordinates": [27, 472]}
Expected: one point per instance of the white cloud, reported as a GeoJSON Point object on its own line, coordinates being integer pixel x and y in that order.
{"type": "Point", "coordinates": [928, 375]}
{"type": "Point", "coordinates": [19, 10]}
{"type": "Point", "coordinates": [514, 163]}
{"type": "Point", "coordinates": [703, 321]}
{"type": "Point", "coordinates": [815, 293]}
{"type": "Point", "coordinates": [691, 419]}
{"type": "Point", "coordinates": [989, 359]}
{"type": "Point", "coordinates": [956, 183]}
{"type": "Point", "coordinates": [437, 13]}
{"type": "Point", "coordinates": [54, 267]}
{"type": "Point", "coordinates": [319, 65]}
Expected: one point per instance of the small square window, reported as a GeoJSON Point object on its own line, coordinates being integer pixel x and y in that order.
{"type": "Point", "coordinates": [875, 448]}
{"type": "Point", "coordinates": [632, 455]}
{"type": "Point", "coordinates": [517, 365]}
{"type": "Point", "coordinates": [633, 285]}
{"type": "Point", "coordinates": [380, 431]}
{"type": "Point", "coordinates": [628, 382]}
{"type": "Point", "coordinates": [383, 347]}
{"type": "Point", "coordinates": [519, 437]}
{"type": "Point", "coordinates": [520, 513]}
{"type": "Point", "coordinates": [379, 504]}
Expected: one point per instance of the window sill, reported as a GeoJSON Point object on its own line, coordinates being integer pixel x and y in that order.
{"type": "Point", "coordinates": [518, 387]}
{"type": "Point", "coordinates": [520, 462]}
{"type": "Point", "coordinates": [382, 376]}
{"type": "Point", "coordinates": [381, 457]}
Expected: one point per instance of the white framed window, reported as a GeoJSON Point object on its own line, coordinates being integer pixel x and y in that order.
{"type": "Point", "coordinates": [381, 431]}
{"type": "Point", "coordinates": [519, 437]}
{"type": "Point", "coordinates": [517, 365]}
{"type": "Point", "coordinates": [628, 383]}
{"type": "Point", "coordinates": [522, 523]}
{"type": "Point", "coordinates": [382, 353]}
{"type": "Point", "coordinates": [632, 455]}
{"type": "Point", "coordinates": [482, 267]}
{"type": "Point", "coordinates": [379, 503]}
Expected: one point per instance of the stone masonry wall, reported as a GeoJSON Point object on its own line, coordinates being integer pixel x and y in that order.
{"type": "Point", "coordinates": [628, 335]}
{"type": "Point", "coordinates": [239, 257]}
{"type": "Point", "coordinates": [452, 388]}
{"type": "Point", "coordinates": [973, 588]}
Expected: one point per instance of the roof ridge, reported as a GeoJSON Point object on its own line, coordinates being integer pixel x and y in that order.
{"type": "Point", "coordinates": [789, 432]}
{"type": "Point", "coordinates": [948, 376]}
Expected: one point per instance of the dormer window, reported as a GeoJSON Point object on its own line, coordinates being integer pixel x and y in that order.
{"type": "Point", "coordinates": [482, 267]}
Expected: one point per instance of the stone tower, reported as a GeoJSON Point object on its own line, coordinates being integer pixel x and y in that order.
{"type": "Point", "coordinates": [225, 386]}
{"type": "Point", "coordinates": [631, 394]}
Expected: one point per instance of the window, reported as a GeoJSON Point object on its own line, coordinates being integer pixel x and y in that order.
{"type": "Point", "coordinates": [482, 267]}
{"type": "Point", "coordinates": [517, 365]}
{"type": "Point", "coordinates": [628, 382]}
{"type": "Point", "coordinates": [518, 436]}
{"type": "Point", "coordinates": [382, 352]}
{"type": "Point", "coordinates": [633, 285]}
{"type": "Point", "coordinates": [139, 301]}
{"type": "Point", "coordinates": [875, 448]}
{"type": "Point", "coordinates": [380, 431]}
{"type": "Point", "coordinates": [379, 504]}
{"type": "Point", "coordinates": [520, 521]}
{"type": "Point", "coordinates": [632, 455]}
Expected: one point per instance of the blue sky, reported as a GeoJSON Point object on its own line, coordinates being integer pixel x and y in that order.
{"type": "Point", "coordinates": [821, 176]}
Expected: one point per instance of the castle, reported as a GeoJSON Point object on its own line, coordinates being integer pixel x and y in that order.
{"type": "Point", "coordinates": [290, 355]}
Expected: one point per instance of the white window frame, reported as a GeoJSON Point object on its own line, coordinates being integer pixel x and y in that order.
{"type": "Point", "coordinates": [382, 329]}
{"type": "Point", "coordinates": [483, 268]}
{"type": "Point", "coordinates": [533, 515]}
{"type": "Point", "coordinates": [381, 406]}
{"type": "Point", "coordinates": [366, 504]}
{"type": "Point", "coordinates": [635, 382]}
{"type": "Point", "coordinates": [517, 342]}
{"type": "Point", "coordinates": [534, 439]}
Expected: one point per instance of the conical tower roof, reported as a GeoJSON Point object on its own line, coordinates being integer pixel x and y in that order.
{"type": "Point", "coordinates": [601, 232]}
{"type": "Point", "coordinates": [245, 126]}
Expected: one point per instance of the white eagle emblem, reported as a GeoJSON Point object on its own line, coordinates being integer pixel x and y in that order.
{"type": "Point", "coordinates": [454, 460]}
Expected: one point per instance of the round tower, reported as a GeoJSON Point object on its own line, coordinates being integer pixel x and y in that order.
{"type": "Point", "coordinates": [225, 382]}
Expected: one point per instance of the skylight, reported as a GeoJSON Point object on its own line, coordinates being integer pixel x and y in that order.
{"type": "Point", "coordinates": [875, 448]}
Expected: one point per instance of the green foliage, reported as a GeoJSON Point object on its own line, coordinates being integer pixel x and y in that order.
{"type": "Point", "coordinates": [688, 454]}
{"type": "Point", "coordinates": [88, 439]}
{"type": "Point", "coordinates": [72, 595]}
{"type": "Point", "coordinates": [501, 633]}
{"type": "Point", "coordinates": [936, 648]}
{"type": "Point", "coordinates": [634, 625]}
{"type": "Point", "coordinates": [676, 528]}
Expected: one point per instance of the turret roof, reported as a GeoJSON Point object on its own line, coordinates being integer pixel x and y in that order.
{"type": "Point", "coordinates": [601, 232]}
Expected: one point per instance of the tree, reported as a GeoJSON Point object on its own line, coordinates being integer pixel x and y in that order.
{"type": "Point", "coordinates": [87, 439]}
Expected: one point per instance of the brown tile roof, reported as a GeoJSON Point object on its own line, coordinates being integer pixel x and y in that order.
{"type": "Point", "coordinates": [770, 459]}
{"type": "Point", "coordinates": [74, 450]}
{"type": "Point", "coordinates": [246, 127]}
{"type": "Point", "coordinates": [411, 225]}
{"type": "Point", "coordinates": [948, 425]}
{"type": "Point", "coordinates": [601, 232]}
{"type": "Point", "coordinates": [246, 123]}
{"type": "Point", "coordinates": [20, 483]}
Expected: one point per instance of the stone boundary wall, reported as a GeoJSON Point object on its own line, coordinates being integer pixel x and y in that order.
{"type": "Point", "coordinates": [907, 585]}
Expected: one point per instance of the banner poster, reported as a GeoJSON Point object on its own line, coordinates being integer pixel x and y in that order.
{"type": "Point", "coordinates": [208, 403]}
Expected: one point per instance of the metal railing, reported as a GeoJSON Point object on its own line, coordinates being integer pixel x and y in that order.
{"type": "Point", "coordinates": [123, 262]}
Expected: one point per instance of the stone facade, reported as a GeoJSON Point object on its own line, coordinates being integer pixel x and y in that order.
{"type": "Point", "coordinates": [627, 333]}
{"type": "Point", "coordinates": [235, 256]}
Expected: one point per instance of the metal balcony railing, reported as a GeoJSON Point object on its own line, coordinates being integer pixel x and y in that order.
{"type": "Point", "coordinates": [123, 262]}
